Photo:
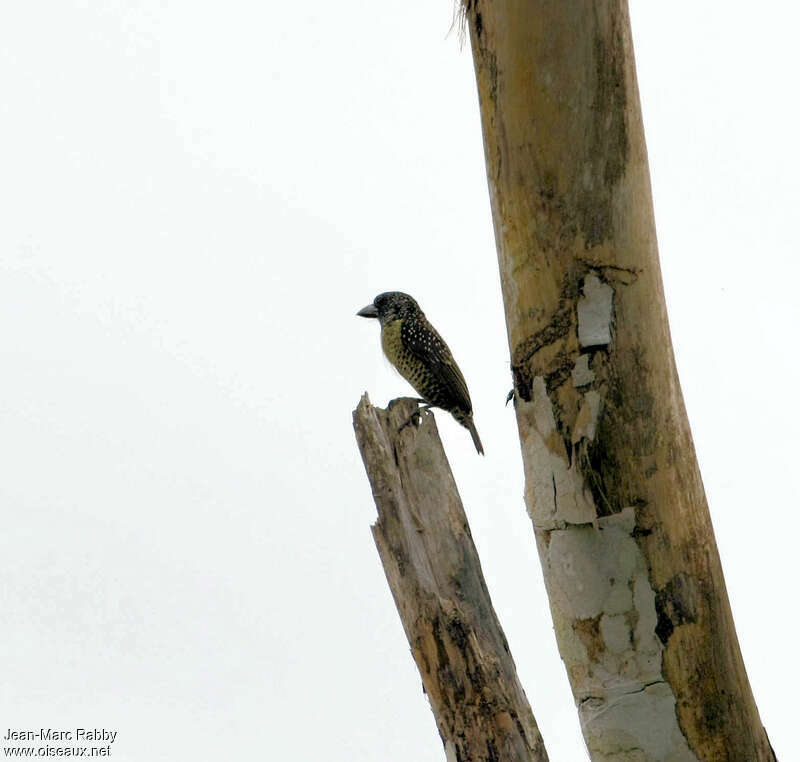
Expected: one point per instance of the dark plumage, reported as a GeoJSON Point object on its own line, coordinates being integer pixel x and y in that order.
{"type": "Point", "coordinates": [419, 353]}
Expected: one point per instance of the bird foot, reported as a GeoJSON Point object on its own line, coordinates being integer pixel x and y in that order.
{"type": "Point", "coordinates": [509, 397]}
{"type": "Point", "coordinates": [415, 418]}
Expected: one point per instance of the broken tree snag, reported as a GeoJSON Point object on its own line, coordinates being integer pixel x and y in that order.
{"type": "Point", "coordinates": [611, 480]}
{"type": "Point", "coordinates": [435, 577]}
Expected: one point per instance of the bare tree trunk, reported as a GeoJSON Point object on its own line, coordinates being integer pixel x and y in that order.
{"type": "Point", "coordinates": [435, 576]}
{"type": "Point", "coordinates": [612, 485]}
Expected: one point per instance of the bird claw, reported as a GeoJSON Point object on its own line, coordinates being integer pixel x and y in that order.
{"type": "Point", "coordinates": [509, 397]}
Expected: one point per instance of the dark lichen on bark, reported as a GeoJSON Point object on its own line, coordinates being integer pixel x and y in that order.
{"type": "Point", "coordinates": [676, 604]}
{"type": "Point", "coordinates": [608, 144]}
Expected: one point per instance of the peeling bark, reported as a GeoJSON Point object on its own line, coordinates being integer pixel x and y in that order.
{"type": "Point", "coordinates": [435, 577]}
{"type": "Point", "coordinates": [611, 480]}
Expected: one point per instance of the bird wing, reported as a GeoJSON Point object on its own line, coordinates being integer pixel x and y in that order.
{"type": "Point", "coordinates": [429, 347]}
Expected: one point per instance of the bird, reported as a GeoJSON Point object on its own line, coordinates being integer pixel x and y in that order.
{"type": "Point", "coordinates": [419, 353]}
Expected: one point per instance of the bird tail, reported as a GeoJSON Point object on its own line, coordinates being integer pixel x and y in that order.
{"type": "Point", "coordinates": [470, 424]}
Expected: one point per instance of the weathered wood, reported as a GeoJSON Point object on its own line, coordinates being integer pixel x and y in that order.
{"type": "Point", "coordinates": [612, 484]}
{"type": "Point", "coordinates": [435, 576]}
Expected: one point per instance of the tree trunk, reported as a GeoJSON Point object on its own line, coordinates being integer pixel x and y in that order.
{"type": "Point", "coordinates": [435, 576]}
{"type": "Point", "coordinates": [611, 480]}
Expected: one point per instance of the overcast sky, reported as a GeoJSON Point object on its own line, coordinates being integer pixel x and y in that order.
{"type": "Point", "coordinates": [196, 198]}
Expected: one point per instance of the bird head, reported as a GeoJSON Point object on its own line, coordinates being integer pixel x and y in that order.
{"type": "Point", "coordinates": [389, 306]}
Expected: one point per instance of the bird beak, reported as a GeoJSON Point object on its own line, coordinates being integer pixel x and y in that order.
{"type": "Point", "coordinates": [369, 311]}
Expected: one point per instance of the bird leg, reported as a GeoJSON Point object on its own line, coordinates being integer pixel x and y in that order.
{"type": "Point", "coordinates": [415, 416]}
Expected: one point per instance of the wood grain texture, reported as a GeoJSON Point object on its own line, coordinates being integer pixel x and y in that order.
{"type": "Point", "coordinates": [434, 573]}
{"type": "Point", "coordinates": [612, 483]}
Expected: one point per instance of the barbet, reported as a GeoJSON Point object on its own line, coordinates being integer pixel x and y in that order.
{"type": "Point", "coordinates": [419, 353]}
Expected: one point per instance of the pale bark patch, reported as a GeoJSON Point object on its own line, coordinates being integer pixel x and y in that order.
{"type": "Point", "coordinates": [595, 312]}
{"type": "Point", "coordinates": [582, 374]}
{"type": "Point", "coordinates": [602, 602]}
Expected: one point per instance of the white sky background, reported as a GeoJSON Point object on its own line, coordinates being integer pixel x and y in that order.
{"type": "Point", "coordinates": [196, 198]}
